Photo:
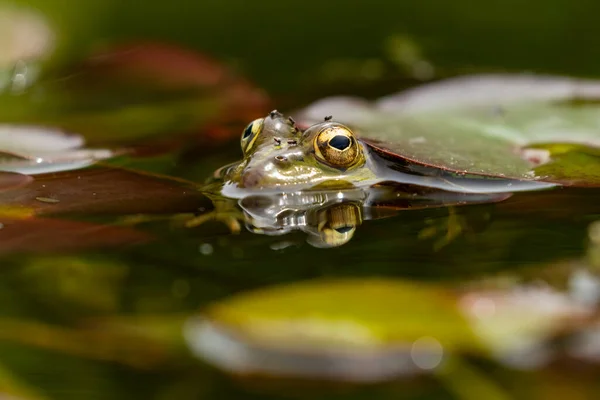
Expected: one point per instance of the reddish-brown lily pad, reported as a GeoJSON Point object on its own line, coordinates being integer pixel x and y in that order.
{"type": "Point", "coordinates": [12, 180]}
{"type": "Point", "coordinates": [102, 190]}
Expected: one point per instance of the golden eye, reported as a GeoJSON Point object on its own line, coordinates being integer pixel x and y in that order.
{"type": "Point", "coordinates": [336, 146]}
{"type": "Point", "coordinates": [251, 133]}
{"type": "Point", "coordinates": [337, 225]}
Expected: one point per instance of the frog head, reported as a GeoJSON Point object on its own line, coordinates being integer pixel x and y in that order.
{"type": "Point", "coordinates": [279, 155]}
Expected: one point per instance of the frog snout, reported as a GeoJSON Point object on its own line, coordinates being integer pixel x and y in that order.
{"type": "Point", "coordinates": [251, 178]}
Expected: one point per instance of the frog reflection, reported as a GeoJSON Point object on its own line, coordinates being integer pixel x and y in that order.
{"type": "Point", "coordinates": [330, 218]}
{"type": "Point", "coordinates": [327, 220]}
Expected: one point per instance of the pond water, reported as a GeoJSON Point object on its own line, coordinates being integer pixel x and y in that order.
{"type": "Point", "coordinates": [461, 288]}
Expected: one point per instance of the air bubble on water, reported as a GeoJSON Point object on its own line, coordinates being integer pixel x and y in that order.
{"type": "Point", "coordinates": [206, 249]}
{"type": "Point", "coordinates": [427, 352]}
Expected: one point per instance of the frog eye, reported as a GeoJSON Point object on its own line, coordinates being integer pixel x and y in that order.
{"type": "Point", "coordinates": [251, 133]}
{"type": "Point", "coordinates": [336, 146]}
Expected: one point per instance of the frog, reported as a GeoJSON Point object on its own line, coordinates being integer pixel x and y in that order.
{"type": "Point", "coordinates": [279, 156]}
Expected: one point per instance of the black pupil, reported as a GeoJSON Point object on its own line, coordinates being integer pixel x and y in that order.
{"type": "Point", "coordinates": [340, 142]}
{"type": "Point", "coordinates": [247, 131]}
{"type": "Point", "coordinates": [344, 229]}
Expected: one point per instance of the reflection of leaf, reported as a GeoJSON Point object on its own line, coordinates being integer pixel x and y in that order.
{"type": "Point", "coordinates": [74, 283]}
{"type": "Point", "coordinates": [51, 235]}
{"type": "Point", "coordinates": [482, 125]}
{"type": "Point", "coordinates": [123, 347]}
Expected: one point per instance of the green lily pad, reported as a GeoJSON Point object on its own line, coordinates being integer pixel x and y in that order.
{"type": "Point", "coordinates": [491, 125]}
{"type": "Point", "coordinates": [390, 327]}
{"type": "Point", "coordinates": [342, 313]}
{"type": "Point", "coordinates": [349, 329]}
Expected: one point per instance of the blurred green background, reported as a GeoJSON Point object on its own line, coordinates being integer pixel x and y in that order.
{"type": "Point", "coordinates": [283, 45]}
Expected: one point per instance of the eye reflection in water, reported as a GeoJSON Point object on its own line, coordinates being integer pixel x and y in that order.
{"type": "Point", "coordinates": [330, 218]}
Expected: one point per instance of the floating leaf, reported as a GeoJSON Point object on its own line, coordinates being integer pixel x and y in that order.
{"type": "Point", "coordinates": [389, 327]}
{"type": "Point", "coordinates": [37, 150]}
{"type": "Point", "coordinates": [99, 190]}
{"type": "Point", "coordinates": [486, 125]}
{"type": "Point", "coordinates": [11, 180]}
{"type": "Point", "coordinates": [347, 329]}
{"type": "Point", "coordinates": [515, 323]}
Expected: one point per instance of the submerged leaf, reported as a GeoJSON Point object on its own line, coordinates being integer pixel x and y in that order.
{"type": "Point", "coordinates": [485, 125]}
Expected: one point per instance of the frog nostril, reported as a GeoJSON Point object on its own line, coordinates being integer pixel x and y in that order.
{"type": "Point", "coordinates": [281, 159]}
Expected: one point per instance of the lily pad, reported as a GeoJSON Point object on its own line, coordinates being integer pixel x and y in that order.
{"type": "Point", "coordinates": [12, 180]}
{"type": "Point", "coordinates": [389, 327]}
{"type": "Point", "coordinates": [104, 191]}
{"type": "Point", "coordinates": [326, 329]}
{"type": "Point", "coordinates": [33, 150]}
{"type": "Point", "coordinates": [491, 125]}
